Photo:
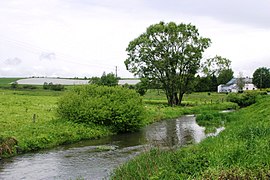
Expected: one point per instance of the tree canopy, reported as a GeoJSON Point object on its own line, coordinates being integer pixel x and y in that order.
{"type": "Point", "coordinates": [225, 76]}
{"type": "Point", "coordinates": [170, 54]}
{"type": "Point", "coordinates": [217, 70]}
{"type": "Point", "coordinates": [261, 77]}
{"type": "Point", "coordinates": [215, 65]}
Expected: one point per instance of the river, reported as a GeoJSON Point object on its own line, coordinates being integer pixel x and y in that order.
{"type": "Point", "coordinates": [96, 159]}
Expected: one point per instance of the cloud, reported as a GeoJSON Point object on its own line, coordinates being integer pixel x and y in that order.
{"type": "Point", "coordinates": [90, 37]}
{"type": "Point", "coordinates": [247, 12]}
{"type": "Point", "coordinates": [13, 61]}
{"type": "Point", "coordinates": [47, 56]}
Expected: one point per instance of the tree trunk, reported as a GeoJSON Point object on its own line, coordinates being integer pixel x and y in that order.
{"type": "Point", "coordinates": [181, 97]}
{"type": "Point", "coordinates": [173, 99]}
{"type": "Point", "coordinates": [176, 99]}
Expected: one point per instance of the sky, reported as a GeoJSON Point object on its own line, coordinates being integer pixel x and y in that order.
{"type": "Point", "coordinates": [84, 38]}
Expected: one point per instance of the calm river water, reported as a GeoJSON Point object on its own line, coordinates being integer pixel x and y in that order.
{"type": "Point", "coordinates": [86, 160]}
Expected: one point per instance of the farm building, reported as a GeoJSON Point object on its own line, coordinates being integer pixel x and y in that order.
{"type": "Point", "coordinates": [232, 86]}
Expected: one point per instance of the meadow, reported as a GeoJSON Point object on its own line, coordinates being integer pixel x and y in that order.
{"type": "Point", "coordinates": [30, 117]}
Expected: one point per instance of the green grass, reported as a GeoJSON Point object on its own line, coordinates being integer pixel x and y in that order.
{"type": "Point", "coordinates": [158, 97]}
{"type": "Point", "coordinates": [18, 108]}
{"type": "Point", "coordinates": [194, 103]}
{"type": "Point", "coordinates": [5, 81]}
{"type": "Point", "coordinates": [241, 151]}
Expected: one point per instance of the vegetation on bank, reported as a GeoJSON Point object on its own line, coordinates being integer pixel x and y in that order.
{"type": "Point", "coordinates": [116, 107]}
{"type": "Point", "coordinates": [30, 117]}
{"type": "Point", "coordinates": [241, 151]}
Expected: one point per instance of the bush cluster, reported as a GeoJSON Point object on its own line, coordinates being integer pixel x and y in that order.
{"type": "Point", "coordinates": [244, 99]}
{"type": "Point", "coordinates": [117, 107]}
{"type": "Point", "coordinates": [28, 86]}
{"type": "Point", "coordinates": [211, 119]}
{"type": "Point", "coordinates": [54, 87]}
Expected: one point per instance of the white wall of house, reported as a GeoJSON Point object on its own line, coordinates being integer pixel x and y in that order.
{"type": "Point", "coordinates": [249, 87]}
{"type": "Point", "coordinates": [233, 87]}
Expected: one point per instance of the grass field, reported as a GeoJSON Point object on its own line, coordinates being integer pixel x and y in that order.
{"type": "Point", "coordinates": [30, 117]}
{"type": "Point", "coordinates": [5, 81]}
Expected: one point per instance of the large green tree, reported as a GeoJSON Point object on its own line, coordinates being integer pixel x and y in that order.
{"type": "Point", "coordinates": [169, 53]}
{"type": "Point", "coordinates": [261, 77]}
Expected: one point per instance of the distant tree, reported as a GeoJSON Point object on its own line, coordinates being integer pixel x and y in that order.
{"type": "Point", "coordinates": [54, 87]}
{"type": "Point", "coordinates": [95, 80]}
{"type": "Point", "coordinates": [215, 65]}
{"type": "Point", "coordinates": [142, 86]}
{"type": "Point", "coordinates": [105, 80]}
{"type": "Point", "coordinates": [240, 82]}
{"type": "Point", "coordinates": [224, 76]}
{"type": "Point", "coordinates": [214, 84]}
{"type": "Point", "coordinates": [213, 69]}
{"type": "Point", "coordinates": [202, 84]}
{"type": "Point", "coordinates": [46, 85]}
{"type": "Point", "coordinates": [109, 79]}
{"type": "Point", "coordinates": [205, 84]}
{"type": "Point", "coordinates": [261, 77]}
{"type": "Point", "coordinates": [14, 85]}
{"type": "Point", "coordinates": [169, 54]}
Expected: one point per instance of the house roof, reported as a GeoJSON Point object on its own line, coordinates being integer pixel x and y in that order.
{"type": "Point", "coordinates": [247, 80]}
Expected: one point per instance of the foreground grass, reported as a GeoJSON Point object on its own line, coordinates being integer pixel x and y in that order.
{"type": "Point", "coordinates": [241, 151]}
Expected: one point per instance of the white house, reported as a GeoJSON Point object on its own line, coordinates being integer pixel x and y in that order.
{"type": "Point", "coordinates": [231, 86]}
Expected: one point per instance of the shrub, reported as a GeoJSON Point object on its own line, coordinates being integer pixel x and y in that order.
{"type": "Point", "coordinates": [118, 107]}
{"type": "Point", "coordinates": [243, 99]}
{"type": "Point", "coordinates": [14, 85]}
{"type": "Point", "coordinates": [211, 119]}
{"type": "Point", "coordinates": [27, 86]}
{"type": "Point", "coordinates": [55, 87]}
{"type": "Point", "coordinates": [141, 88]}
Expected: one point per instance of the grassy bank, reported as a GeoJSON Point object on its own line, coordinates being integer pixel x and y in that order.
{"type": "Point", "coordinates": [241, 151]}
{"type": "Point", "coordinates": [29, 116]}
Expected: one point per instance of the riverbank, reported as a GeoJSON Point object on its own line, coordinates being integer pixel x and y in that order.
{"type": "Point", "coordinates": [241, 151]}
{"type": "Point", "coordinates": [29, 116]}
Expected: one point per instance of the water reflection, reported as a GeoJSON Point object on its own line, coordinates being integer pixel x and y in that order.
{"type": "Point", "coordinates": [176, 132]}
{"type": "Point", "coordinates": [83, 159]}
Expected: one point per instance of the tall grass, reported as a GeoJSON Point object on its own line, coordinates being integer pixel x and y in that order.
{"type": "Point", "coordinates": [241, 151]}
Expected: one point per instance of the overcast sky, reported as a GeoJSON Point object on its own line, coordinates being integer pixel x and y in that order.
{"type": "Point", "coordinates": [69, 38]}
